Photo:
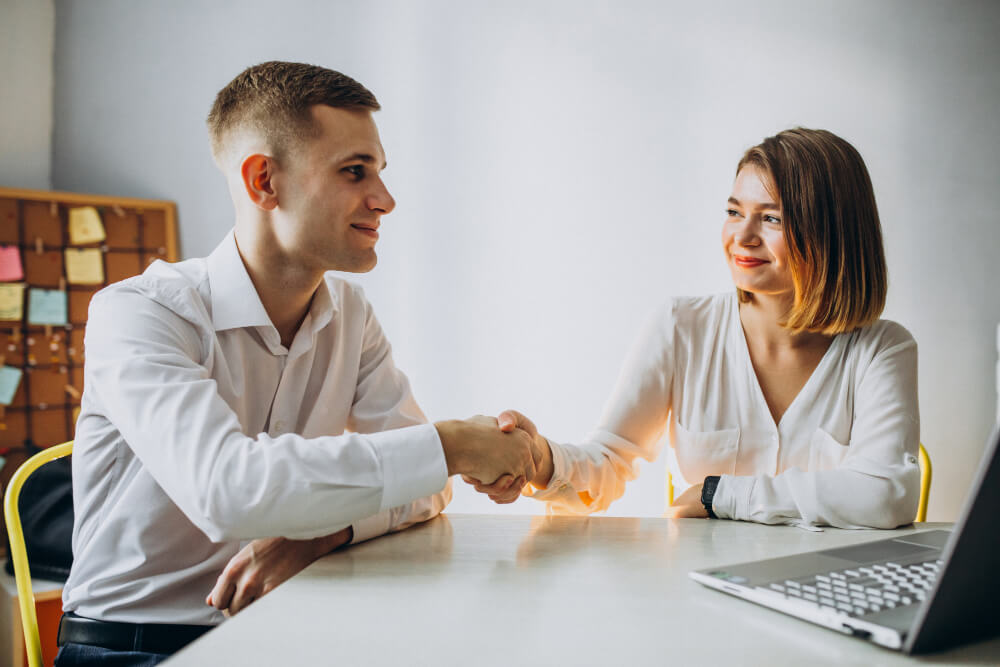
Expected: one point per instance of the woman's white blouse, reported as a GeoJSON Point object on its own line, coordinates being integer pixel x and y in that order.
{"type": "Point", "coordinates": [844, 453]}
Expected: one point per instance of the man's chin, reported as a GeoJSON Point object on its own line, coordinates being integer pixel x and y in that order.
{"type": "Point", "coordinates": [358, 264]}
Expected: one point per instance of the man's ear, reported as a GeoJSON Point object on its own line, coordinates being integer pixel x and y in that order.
{"type": "Point", "coordinates": [257, 172]}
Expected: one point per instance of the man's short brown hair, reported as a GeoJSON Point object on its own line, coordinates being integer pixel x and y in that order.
{"type": "Point", "coordinates": [831, 227]}
{"type": "Point", "coordinates": [274, 99]}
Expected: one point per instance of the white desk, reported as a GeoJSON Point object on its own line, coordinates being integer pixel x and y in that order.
{"type": "Point", "coordinates": [511, 590]}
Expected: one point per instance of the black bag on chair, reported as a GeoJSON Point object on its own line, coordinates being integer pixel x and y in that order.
{"type": "Point", "coordinates": [46, 506]}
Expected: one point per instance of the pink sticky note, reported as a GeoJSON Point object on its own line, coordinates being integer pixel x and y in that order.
{"type": "Point", "coordinates": [10, 263]}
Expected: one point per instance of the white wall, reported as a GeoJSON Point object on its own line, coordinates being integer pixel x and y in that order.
{"type": "Point", "coordinates": [560, 167]}
{"type": "Point", "coordinates": [26, 52]}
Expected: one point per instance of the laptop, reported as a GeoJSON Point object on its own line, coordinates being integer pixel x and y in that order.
{"type": "Point", "coordinates": [917, 593]}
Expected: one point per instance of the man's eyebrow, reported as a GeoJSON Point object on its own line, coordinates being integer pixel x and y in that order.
{"type": "Point", "coordinates": [363, 157]}
{"type": "Point", "coordinates": [766, 204]}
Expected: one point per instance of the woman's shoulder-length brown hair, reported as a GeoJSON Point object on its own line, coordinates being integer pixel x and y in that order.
{"type": "Point", "coordinates": [831, 226]}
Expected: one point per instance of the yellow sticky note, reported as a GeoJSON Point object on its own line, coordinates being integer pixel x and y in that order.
{"type": "Point", "coordinates": [84, 266]}
{"type": "Point", "coordinates": [11, 301]}
{"type": "Point", "coordinates": [85, 225]}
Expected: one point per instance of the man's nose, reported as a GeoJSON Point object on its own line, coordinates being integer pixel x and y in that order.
{"type": "Point", "coordinates": [380, 199]}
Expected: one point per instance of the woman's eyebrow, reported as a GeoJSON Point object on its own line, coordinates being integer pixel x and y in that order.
{"type": "Point", "coordinates": [766, 204]}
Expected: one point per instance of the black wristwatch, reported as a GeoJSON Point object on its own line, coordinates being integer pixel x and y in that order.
{"type": "Point", "coordinates": [708, 493]}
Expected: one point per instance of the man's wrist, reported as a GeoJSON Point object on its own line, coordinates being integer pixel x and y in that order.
{"type": "Point", "coordinates": [328, 543]}
{"type": "Point", "coordinates": [452, 452]}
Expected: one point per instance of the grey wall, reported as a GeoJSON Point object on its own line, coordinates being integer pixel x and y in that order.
{"type": "Point", "coordinates": [26, 51]}
{"type": "Point", "coordinates": [561, 167]}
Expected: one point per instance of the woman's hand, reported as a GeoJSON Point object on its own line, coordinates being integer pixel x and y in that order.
{"type": "Point", "coordinates": [688, 505]}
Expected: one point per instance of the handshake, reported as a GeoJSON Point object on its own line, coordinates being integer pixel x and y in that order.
{"type": "Point", "coordinates": [497, 456]}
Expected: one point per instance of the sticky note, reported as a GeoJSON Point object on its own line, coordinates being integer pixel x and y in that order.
{"type": "Point", "coordinates": [11, 301]}
{"type": "Point", "coordinates": [46, 306]}
{"type": "Point", "coordinates": [10, 377]}
{"type": "Point", "coordinates": [85, 225]}
{"type": "Point", "coordinates": [10, 263]}
{"type": "Point", "coordinates": [84, 266]}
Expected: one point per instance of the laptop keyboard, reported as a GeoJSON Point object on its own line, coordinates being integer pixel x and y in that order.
{"type": "Point", "coordinates": [863, 590]}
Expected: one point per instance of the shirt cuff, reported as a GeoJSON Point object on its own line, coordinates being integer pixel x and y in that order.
{"type": "Point", "coordinates": [413, 464]}
{"type": "Point", "coordinates": [732, 497]}
{"type": "Point", "coordinates": [558, 484]}
{"type": "Point", "coordinates": [373, 526]}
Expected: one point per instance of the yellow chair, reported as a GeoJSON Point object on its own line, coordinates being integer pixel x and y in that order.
{"type": "Point", "coordinates": [18, 553]}
{"type": "Point", "coordinates": [925, 484]}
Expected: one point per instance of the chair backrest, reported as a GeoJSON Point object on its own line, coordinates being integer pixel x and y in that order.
{"type": "Point", "coordinates": [925, 484]}
{"type": "Point", "coordinates": [18, 552]}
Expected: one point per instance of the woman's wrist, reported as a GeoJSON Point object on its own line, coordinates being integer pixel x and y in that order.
{"type": "Point", "coordinates": [545, 467]}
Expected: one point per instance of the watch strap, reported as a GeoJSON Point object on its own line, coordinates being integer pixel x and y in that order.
{"type": "Point", "coordinates": [708, 494]}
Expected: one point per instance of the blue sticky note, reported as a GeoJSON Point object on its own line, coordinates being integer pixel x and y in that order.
{"type": "Point", "coordinates": [46, 306]}
{"type": "Point", "coordinates": [10, 377]}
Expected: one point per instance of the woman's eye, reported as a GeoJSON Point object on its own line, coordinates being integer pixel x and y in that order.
{"type": "Point", "coordinates": [731, 212]}
{"type": "Point", "coordinates": [774, 220]}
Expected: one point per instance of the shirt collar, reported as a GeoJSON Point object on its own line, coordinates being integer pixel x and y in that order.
{"type": "Point", "coordinates": [235, 302]}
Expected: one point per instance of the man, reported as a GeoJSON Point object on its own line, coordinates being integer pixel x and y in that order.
{"type": "Point", "coordinates": [218, 390]}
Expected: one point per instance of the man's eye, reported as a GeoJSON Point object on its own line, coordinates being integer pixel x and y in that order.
{"type": "Point", "coordinates": [772, 219]}
{"type": "Point", "coordinates": [356, 170]}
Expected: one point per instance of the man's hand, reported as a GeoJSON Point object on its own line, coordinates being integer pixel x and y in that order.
{"type": "Point", "coordinates": [688, 505]}
{"type": "Point", "coordinates": [263, 564]}
{"type": "Point", "coordinates": [477, 448]}
{"type": "Point", "coordinates": [507, 488]}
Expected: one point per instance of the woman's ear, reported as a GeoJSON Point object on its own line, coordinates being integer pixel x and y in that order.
{"type": "Point", "coordinates": [257, 171]}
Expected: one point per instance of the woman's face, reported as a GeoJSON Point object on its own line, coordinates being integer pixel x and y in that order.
{"type": "Point", "coordinates": [752, 237]}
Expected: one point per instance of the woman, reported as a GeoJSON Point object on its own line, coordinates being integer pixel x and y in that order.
{"type": "Point", "coordinates": [786, 401]}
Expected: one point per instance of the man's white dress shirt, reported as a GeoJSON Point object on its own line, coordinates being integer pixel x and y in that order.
{"type": "Point", "coordinates": [844, 453]}
{"type": "Point", "coordinates": [199, 430]}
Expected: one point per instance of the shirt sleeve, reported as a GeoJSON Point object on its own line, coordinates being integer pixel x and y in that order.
{"type": "Point", "coordinates": [384, 401]}
{"type": "Point", "coordinates": [590, 476]}
{"type": "Point", "coordinates": [149, 371]}
{"type": "Point", "coordinates": [877, 485]}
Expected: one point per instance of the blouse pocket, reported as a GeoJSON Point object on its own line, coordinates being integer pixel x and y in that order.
{"type": "Point", "coordinates": [825, 451]}
{"type": "Point", "coordinates": [703, 453]}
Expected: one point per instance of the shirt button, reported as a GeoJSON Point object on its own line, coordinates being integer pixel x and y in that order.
{"type": "Point", "coordinates": [910, 458]}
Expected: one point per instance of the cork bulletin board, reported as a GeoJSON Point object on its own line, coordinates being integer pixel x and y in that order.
{"type": "Point", "coordinates": [57, 249]}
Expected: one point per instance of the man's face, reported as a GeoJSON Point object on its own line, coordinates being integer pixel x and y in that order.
{"type": "Point", "coordinates": [331, 195]}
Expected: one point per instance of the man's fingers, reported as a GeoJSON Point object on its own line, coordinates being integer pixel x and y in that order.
{"type": "Point", "coordinates": [223, 592]}
{"type": "Point", "coordinates": [503, 483]}
{"type": "Point", "coordinates": [241, 602]}
{"type": "Point", "coordinates": [245, 594]}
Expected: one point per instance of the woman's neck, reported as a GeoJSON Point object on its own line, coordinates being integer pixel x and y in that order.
{"type": "Point", "coordinates": [761, 317]}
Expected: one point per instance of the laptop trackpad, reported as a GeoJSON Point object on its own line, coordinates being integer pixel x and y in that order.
{"type": "Point", "coordinates": [880, 551]}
